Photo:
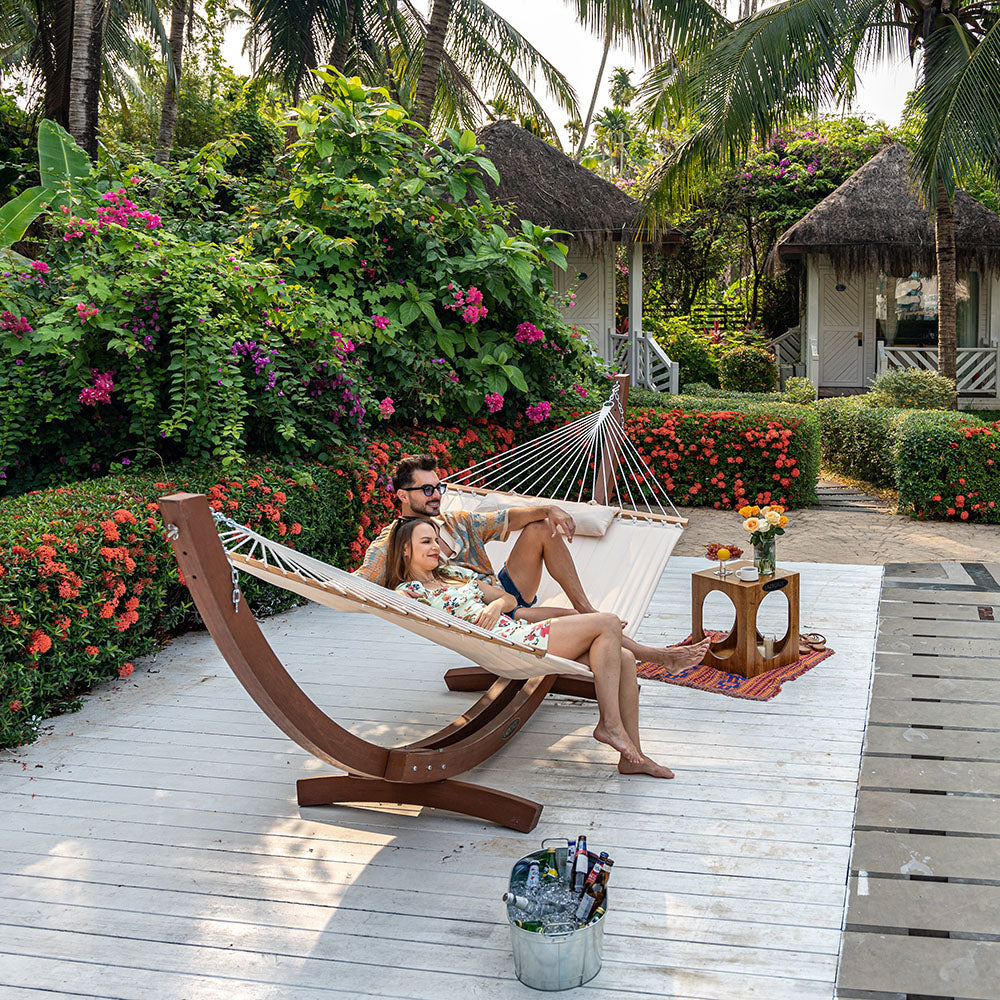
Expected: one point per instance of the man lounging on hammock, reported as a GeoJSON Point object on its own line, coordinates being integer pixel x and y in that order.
{"type": "Point", "coordinates": [415, 568]}
{"type": "Point", "coordinates": [544, 533]}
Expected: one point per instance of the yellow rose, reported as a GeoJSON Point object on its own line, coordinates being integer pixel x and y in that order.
{"type": "Point", "coordinates": [746, 511]}
{"type": "Point", "coordinates": [772, 517]}
{"type": "Point", "coordinates": [778, 508]}
{"type": "Point", "coordinates": [751, 524]}
{"type": "Point", "coordinates": [755, 511]}
{"type": "Point", "coordinates": [782, 521]}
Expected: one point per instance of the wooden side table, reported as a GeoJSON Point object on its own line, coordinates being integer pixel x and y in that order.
{"type": "Point", "coordinates": [739, 652]}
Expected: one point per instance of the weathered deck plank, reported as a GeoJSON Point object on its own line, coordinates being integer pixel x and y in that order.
{"type": "Point", "coordinates": [153, 846]}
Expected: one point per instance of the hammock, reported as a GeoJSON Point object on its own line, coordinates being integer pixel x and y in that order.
{"type": "Point", "coordinates": [620, 553]}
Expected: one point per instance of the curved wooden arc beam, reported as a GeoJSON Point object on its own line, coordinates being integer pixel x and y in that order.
{"type": "Point", "coordinates": [420, 773]}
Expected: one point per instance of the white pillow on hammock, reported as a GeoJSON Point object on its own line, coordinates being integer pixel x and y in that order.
{"type": "Point", "coordinates": [592, 520]}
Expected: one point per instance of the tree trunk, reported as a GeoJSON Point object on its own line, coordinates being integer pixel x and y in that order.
{"type": "Point", "coordinates": [593, 97]}
{"type": "Point", "coordinates": [430, 66]}
{"type": "Point", "coordinates": [168, 114]}
{"type": "Point", "coordinates": [944, 239]}
{"type": "Point", "coordinates": [342, 45]}
{"type": "Point", "coordinates": [85, 74]}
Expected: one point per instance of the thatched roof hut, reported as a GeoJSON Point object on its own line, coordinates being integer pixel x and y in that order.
{"type": "Point", "coordinates": [547, 187]}
{"type": "Point", "coordinates": [875, 222]}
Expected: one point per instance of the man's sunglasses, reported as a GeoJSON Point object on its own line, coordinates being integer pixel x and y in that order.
{"type": "Point", "coordinates": [428, 490]}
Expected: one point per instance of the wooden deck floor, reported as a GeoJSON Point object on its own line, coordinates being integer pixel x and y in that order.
{"type": "Point", "coordinates": [150, 846]}
{"type": "Point", "coordinates": [924, 914]}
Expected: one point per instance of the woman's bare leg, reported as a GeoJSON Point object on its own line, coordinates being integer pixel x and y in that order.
{"type": "Point", "coordinates": [628, 701]}
{"type": "Point", "coordinates": [674, 658]}
{"type": "Point", "coordinates": [599, 636]}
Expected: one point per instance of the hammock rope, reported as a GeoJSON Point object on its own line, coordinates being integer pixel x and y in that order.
{"type": "Point", "coordinates": [559, 463]}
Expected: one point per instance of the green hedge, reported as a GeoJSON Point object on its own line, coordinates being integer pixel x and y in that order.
{"type": "Point", "coordinates": [707, 454]}
{"type": "Point", "coordinates": [863, 441]}
{"type": "Point", "coordinates": [949, 470]}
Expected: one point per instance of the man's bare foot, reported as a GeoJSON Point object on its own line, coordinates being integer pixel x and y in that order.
{"type": "Point", "coordinates": [618, 739]}
{"type": "Point", "coordinates": [646, 767]}
{"type": "Point", "coordinates": [675, 658]}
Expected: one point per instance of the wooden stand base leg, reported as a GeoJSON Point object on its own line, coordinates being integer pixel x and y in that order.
{"type": "Point", "coordinates": [480, 679]}
{"type": "Point", "coordinates": [487, 804]}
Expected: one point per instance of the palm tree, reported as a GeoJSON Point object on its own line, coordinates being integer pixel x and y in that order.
{"type": "Point", "coordinates": [745, 80]}
{"type": "Point", "coordinates": [384, 42]}
{"type": "Point", "coordinates": [180, 17]}
{"type": "Point", "coordinates": [38, 40]}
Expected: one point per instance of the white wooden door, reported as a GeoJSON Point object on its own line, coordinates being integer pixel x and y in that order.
{"type": "Point", "coordinates": [588, 278]}
{"type": "Point", "coordinates": [841, 330]}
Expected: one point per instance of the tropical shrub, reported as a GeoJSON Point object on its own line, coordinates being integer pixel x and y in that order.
{"type": "Point", "coordinates": [912, 388]}
{"type": "Point", "coordinates": [949, 470]}
{"type": "Point", "coordinates": [725, 458]}
{"type": "Point", "coordinates": [690, 348]}
{"type": "Point", "coordinates": [446, 305]}
{"type": "Point", "coordinates": [800, 390]}
{"type": "Point", "coordinates": [748, 369]}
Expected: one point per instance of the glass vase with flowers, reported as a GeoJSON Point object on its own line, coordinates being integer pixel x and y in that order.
{"type": "Point", "coordinates": [764, 524]}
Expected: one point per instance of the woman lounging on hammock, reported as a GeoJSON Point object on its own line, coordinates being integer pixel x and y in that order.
{"type": "Point", "coordinates": [414, 568]}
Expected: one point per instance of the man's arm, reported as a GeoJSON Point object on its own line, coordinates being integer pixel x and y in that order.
{"type": "Point", "coordinates": [558, 520]}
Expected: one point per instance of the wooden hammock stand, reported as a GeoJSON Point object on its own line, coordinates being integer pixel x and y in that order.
{"type": "Point", "coordinates": [422, 773]}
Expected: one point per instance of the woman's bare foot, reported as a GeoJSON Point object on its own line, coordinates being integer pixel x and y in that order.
{"type": "Point", "coordinates": [618, 739]}
{"type": "Point", "coordinates": [647, 766]}
{"type": "Point", "coordinates": [675, 658]}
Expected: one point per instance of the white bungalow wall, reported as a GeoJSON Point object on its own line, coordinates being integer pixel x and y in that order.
{"type": "Point", "coordinates": [836, 311]}
{"type": "Point", "coordinates": [592, 277]}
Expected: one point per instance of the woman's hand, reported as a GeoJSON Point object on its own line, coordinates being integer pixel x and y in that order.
{"type": "Point", "coordinates": [490, 615]}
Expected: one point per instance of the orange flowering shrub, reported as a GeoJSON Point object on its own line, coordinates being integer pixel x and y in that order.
{"type": "Point", "coordinates": [760, 454]}
{"type": "Point", "coordinates": [88, 582]}
{"type": "Point", "coordinates": [948, 471]}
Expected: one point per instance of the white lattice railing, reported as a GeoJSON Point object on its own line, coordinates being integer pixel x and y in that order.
{"type": "Point", "coordinates": [977, 368]}
{"type": "Point", "coordinates": [620, 343]}
{"type": "Point", "coordinates": [787, 346]}
{"type": "Point", "coordinates": [661, 373]}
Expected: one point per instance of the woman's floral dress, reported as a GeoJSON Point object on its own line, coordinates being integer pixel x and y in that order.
{"type": "Point", "coordinates": [465, 601]}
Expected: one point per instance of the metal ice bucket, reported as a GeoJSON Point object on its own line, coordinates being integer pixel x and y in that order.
{"type": "Point", "coordinates": [553, 961]}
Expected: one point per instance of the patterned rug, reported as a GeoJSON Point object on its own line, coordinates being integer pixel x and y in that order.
{"type": "Point", "coordinates": [761, 688]}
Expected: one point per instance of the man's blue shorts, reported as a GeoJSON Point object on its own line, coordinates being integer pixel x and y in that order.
{"type": "Point", "coordinates": [508, 584]}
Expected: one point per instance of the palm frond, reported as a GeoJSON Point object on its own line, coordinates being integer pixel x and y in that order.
{"type": "Point", "coordinates": [959, 96]}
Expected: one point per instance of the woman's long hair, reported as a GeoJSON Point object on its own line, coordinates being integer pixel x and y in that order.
{"type": "Point", "coordinates": [400, 536]}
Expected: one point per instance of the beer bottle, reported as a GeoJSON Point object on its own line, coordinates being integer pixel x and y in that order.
{"type": "Point", "coordinates": [595, 875]}
{"type": "Point", "coordinates": [529, 925]}
{"type": "Point", "coordinates": [590, 901]}
{"type": "Point", "coordinates": [606, 872]}
{"type": "Point", "coordinates": [550, 873]}
{"type": "Point", "coordinates": [534, 878]}
{"type": "Point", "coordinates": [518, 902]}
{"type": "Point", "coordinates": [580, 865]}
{"type": "Point", "coordinates": [570, 858]}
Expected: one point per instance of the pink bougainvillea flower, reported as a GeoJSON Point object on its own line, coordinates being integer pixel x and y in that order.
{"type": "Point", "coordinates": [387, 408]}
{"type": "Point", "coordinates": [528, 333]}
{"type": "Point", "coordinates": [539, 412]}
{"type": "Point", "coordinates": [494, 402]}
{"type": "Point", "coordinates": [85, 310]}
{"type": "Point", "coordinates": [39, 267]}
{"type": "Point", "coordinates": [380, 322]}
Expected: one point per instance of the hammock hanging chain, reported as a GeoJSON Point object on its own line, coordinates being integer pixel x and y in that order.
{"type": "Point", "coordinates": [234, 576]}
